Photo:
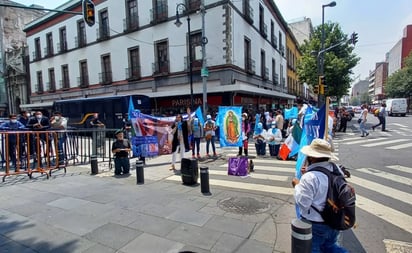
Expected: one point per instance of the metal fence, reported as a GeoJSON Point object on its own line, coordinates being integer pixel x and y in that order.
{"type": "Point", "coordinates": [28, 152]}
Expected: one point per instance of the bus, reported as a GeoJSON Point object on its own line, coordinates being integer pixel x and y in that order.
{"type": "Point", "coordinates": [111, 109]}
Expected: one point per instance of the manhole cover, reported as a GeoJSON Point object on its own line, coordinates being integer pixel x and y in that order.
{"type": "Point", "coordinates": [243, 205]}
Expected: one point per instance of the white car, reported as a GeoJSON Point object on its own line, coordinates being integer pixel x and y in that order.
{"type": "Point", "coordinates": [357, 109]}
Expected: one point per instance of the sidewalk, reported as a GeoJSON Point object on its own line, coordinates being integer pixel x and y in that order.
{"type": "Point", "coordinates": [78, 212]}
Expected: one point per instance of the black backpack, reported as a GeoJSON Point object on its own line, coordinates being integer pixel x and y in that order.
{"type": "Point", "coordinates": [339, 211]}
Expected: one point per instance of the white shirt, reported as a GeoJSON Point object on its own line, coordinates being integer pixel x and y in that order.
{"type": "Point", "coordinates": [312, 190]}
{"type": "Point", "coordinates": [273, 138]}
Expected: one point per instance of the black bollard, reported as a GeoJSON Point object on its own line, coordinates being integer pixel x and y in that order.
{"type": "Point", "coordinates": [301, 236]}
{"type": "Point", "coordinates": [204, 180]}
{"type": "Point", "coordinates": [139, 172]}
{"type": "Point", "coordinates": [93, 163]}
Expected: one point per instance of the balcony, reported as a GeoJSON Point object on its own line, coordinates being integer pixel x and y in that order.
{"type": "Point", "coordinates": [83, 81]}
{"type": "Point", "coordinates": [51, 87]}
{"type": "Point", "coordinates": [193, 5]}
{"type": "Point", "coordinates": [48, 51]}
{"type": "Point", "coordinates": [103, 33]}
{"type": "Point", "coordinates": [275, 79]}
{"type": "Point", "coordinates": [249, 14]}
{"type": "Point", "coordinates": [159, 14]}
{"type": "Point", "coordinates": [65, 84]}
{"type": "Point", "coordinates": [61, 47]}
{"type": "Point", "coordinates": [196, 64]}
{"type": "Point", "coordinates": [133, 73]}
{"type": "Point", "coordinates": [274, 41]}
{"type": "Point", "coordinates": [265, 74]}
{"type": "Point", "coordinates": [131, 23]}
{"type": "Point", "coordinates": [250, 66]}
{"type": "Point", "coordinates": [39, 88]}
{"type": "Point", "coordinates": [105, 78]}
{"type": "Point", "coordinates": [79, 41]}
{"type": "Point", "coordinates": [264, 30]}
{"type": "Point", "coordinates": [282, 49]}
{"type": "Point", "coordinates": [160, 68]}
{"type": "Point", "coordinates": [36, 56]}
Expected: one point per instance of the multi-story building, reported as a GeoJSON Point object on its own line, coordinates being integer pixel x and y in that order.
{"type": "Point", "coordinates": [396, 56]}
{"type": "Point", "coordinates": [360, 92]}
{"type": "Point", "coordinates": [302, 29]}
{"type": "Point", "coordinates": [371, 87]}
{"type": "Point", "coordinates": [13, 74]}
{"type": "Point", "coordinates": [293, 55]}
{"type": "Point", "coordinates": [131, 50]}
{"type": "Point", "coordinates": [381, 74]}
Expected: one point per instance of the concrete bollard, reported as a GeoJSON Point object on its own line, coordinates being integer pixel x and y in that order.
{"type": "Point", "coordinates": [204, 180]}
{"type": "Point", "coordinates": [301, 236]}
{"type": "Point", "coordinates": [139, 172]}
{"type": "Point", "coordinates": [93, 164]}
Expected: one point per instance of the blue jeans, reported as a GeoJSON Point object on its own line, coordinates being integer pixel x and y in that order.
{"type": "Point", "coordinates": [362, 127]}
{"type": "Point", "coordinates": [212, 140]}
{"type": "Point", "coordinates": [196, 144]}
{"type": "Point", "coordinates": [324, 239]}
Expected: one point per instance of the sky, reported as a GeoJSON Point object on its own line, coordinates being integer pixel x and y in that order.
{"type": "Point", "coordinates": [379, 23]}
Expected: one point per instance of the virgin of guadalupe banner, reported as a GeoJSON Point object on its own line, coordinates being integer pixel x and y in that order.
{"type": "Point", "coordinates": [230, 127]}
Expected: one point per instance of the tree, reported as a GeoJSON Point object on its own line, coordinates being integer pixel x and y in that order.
{"type": "Point", "coordinates": [399, 84]}
{"type": "Point", "coordinates": [338, 61]}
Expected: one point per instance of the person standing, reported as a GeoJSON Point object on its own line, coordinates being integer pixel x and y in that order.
{"type": "Point", "coordinates": [382, 118]}
{"type": "Point", "coordinates": [362, 124]}
{"type": "Point", "coordinates": [280, 122]}
{"type": "Point", "coordinates": [197, 131]}
{"type": "Point", "coordinates": [245, 135]}
{"type": "Point", "coordinates": [209, 128]}
{"type": "Point", "coordinates": [38, 123]}
{"type": "Point", "coordinates": [344, 118]}
{"type": "Point", "coordinates": [58, 122]}
{"type": "Point", "coordinates": [273, 138]}
{"type": "Point", "coordinates": [98, 135]}
{"type": "Point", "coordinates": [121, 149]}
{"type": "Point", "coordinates": [180, 131]}
{"type": "Point", "coordinates": [310, 193]}
{"type": "Point", "coordinates": [12, 140]}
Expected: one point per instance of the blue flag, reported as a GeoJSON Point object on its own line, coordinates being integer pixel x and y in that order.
{"type": "Point", "coordinates": [131, 108]}
{"type": "Point", "coordinates": [291, 113]}
{"type": "Point", "coordinates": [199, 115]}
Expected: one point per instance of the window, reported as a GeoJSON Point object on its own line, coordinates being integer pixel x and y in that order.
{"type": "Point", "coordinates": [63, 39]}
{"type": "Point", "coordinates": [275, 76]}
{"type": "Point", "coordinates": [84, 75]}
{"type": "Point", "coordinates": [162, 56]}
{"type": "Point", "coordinates": [193, 5]}
{"type": "Point", "coordinates": [65, 75]}
{"type": "Point", "coordinates": [133, 72]}
{"type": "Point", "coordinates": [160, 10]}
{"type": "Point", "coordinates": [104, 32]}
{"type": "Point", "coordinates": [281, 47]}
{"type": "Point", "coordinates": [52, 80]}
{"type": "Point", "coordinates": [249, 63]}
{"type": "Point", "coordinates": [273, 38]}
{"type": "Point", "coordinates": [262, 25]}
{"type": "Point", "coordinates": [263, 64]}
{"type": "Point", "coordinates": [132, 16]}
{"type": "Point", "coordinates": [195, 42]}
{"type": "Point", "coordinates": [37, 49]}
{"type": "Point", "coordinates": [106, 75]}
{"type": "Point", "coordinates": [81, 34]}
{"type": "Point", "coordinates": [39, 82]}
{"type": "Point", "coordinates": [248, 11]}
{"type": "Point", "coordinates": [49, 44]}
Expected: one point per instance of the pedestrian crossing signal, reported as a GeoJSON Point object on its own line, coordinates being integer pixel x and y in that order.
{"type": "Point", "coordinates": [88, 12]}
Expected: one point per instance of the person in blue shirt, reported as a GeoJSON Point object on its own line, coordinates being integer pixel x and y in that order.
{"type": "Point", "coordinates": [11, 138]}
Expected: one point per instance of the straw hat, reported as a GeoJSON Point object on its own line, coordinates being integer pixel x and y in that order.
{"type": "Point", "coordinates": [319, 148]}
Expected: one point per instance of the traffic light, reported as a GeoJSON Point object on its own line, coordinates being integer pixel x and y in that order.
{"type": "Point", "coordinates": [322, 89]}
{"type": "Point", "coordinates": [321, 80]}
{"type": "Point", "coordinates": [88, 12]}
{"type": "Point", "coordinates": [354, 38]}
{"type": "Point", "coordinates": [316, 89]}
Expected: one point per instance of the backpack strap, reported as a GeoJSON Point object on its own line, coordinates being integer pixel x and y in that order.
{"type": "Point", "coordinates": [327, 173]}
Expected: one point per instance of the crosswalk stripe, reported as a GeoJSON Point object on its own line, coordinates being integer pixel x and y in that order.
{"type": "Point", "coordinates": [386, 175]}
{"type": "Point", "coordinates": [363, 140]}
{"type": "Point", "coordinates": [401, 146]}
{"type": "Point", "coordinates": [383, 143]}
{"type": "Point", "coordinates": [346, 139]}
{"type": "Point", "coordinates": [269, 160]}
{"type": "Point", "coordinates": [397, 124]}
{"type": "Point", "coordinates": [400, 168]}
{"type": "Point", "coordinates": [244, 186]}
{"type": "Point", "coordinates": [406, 129]}
{"type": "Point", "coordinates": [254, 175]}
{"type": "Point", "coordinates": [388, 214]}
{"type": "Point", "coordinates": [384, 190]}
{"type": "Point", "coordinates": [266, 168]}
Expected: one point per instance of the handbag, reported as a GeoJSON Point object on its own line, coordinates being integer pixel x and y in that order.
{"type": "Point", "coordinates": [359, 120]}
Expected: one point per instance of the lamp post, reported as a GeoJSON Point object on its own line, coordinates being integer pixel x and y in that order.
{"type": "Point", "coordinates": [322, 49]}
{"type": "Point", "coordinates": [178, 23]}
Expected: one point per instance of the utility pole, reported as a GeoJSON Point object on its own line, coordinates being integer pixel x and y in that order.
{"type": "Point", "coordinates": [204, 71]}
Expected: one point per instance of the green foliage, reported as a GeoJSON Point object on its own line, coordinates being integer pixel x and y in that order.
{"type": "Point", "coordinates": [338, 64]}
{"type": "Point", "coordinates": [399, 84]}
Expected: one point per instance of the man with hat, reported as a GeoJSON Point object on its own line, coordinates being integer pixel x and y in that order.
{"type": "Point", "coordinates": [311, 191]}
{"type": "Point", "coordinates": [121, 148]}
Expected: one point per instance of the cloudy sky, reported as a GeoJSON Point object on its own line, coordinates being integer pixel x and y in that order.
{"type": "Point", "coordinates": [379, 23]}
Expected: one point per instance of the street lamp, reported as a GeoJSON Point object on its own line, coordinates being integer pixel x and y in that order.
{"type": "Point", "coordinates": [322, 43]}
{"type": "Point", "coordinates": [178, 23]}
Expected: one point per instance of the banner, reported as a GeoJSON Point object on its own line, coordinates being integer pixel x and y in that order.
{"type": "Point", "coordinates": [230, 126]}
{"type": "Point", "coordinates": [291, 113]}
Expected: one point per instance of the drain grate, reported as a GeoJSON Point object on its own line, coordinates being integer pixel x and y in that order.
{"type": "Point", "coordinates": [243, 205]}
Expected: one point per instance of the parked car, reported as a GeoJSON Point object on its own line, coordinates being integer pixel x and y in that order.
{"type": "Point", "coordinates": [357, 109]}
{"type": "Point", "coordinates": [350, 110]}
